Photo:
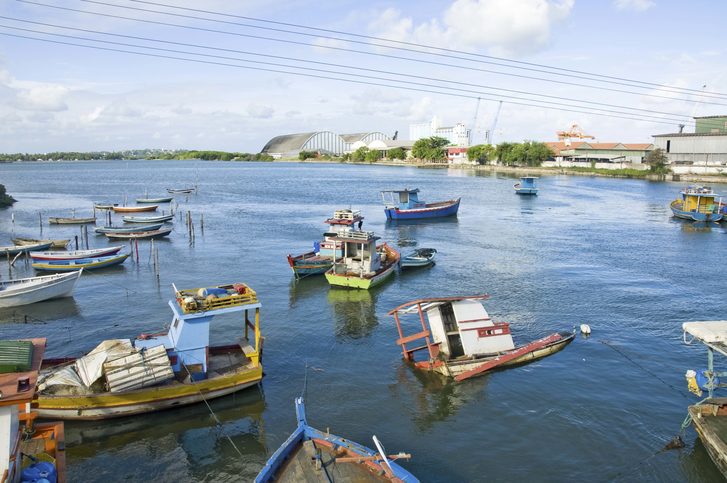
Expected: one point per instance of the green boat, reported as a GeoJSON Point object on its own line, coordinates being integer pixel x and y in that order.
{"type": "Point", "coordinates": [364, 264]}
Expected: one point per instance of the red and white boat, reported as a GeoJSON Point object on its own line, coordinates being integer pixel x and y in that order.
{"type": "Point", "coordinates": [462, 341]}
{"type": "Point", "coordinates": [134, 209]}
{"type": "Point", "coordinates": [75, 254]}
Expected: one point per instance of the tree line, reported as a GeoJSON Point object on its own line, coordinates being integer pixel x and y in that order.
{"type": "Point", "coordinates": [135, 154]}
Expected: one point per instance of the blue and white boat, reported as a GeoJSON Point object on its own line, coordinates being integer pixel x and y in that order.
{"type": "Point", "coordinates": [421, 257]}
{"type": "Point", "coordinates": [526, 186]}
{"type": "Point", "coordinates": [697, 204]}
{"type": "Point", "coordinates": [127, 229]}
{"type": "Point", "coordinates": [406, 205]}
{"type": "Point", "coordinates": [311, 455]}
{"type": "Point", "coordinates": [85, 263]}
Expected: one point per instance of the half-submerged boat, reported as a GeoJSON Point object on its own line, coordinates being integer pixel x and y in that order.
{"type": "Point", "coordinates": [526, 186]}
{"type": "Point", "coordinates": [29, 451]}
{"type": "Point", "coordinates": [15, 249]}
{"type": "Point", "coordinates": [709, 415]}
{"type": "Point", "coordinates": [165, 199]}
{"type": "Point", "coordinates": [320, 260]}
{"type": "Point", "coordinates": [311, 455]}
{"type": "Point", "coordinates": [461, 341]}
{"type": "Point", "coordinates": [363, 263]}
{"type": "Point", "coordinates": [421, 257]}
{"type": "Point", "coordinates": [406, 205]}
{"type": "Point", "coordinates": [84, 263]}
{"type": "Point", "coordinates": [697, 204]}
{"type": "Point", "coordinates": [122, 377]}
{"type": "Point", "coordinates": [33, 241]}
{"type": "Point", "coordinates": [55, 220]}
{"type": "Point", "coordinates": [147, 219]}
{"type": "Point", "coordinates": [127, 229]}
{"type": "Point", "coordinates": [139, 235]}
{"type": "Point", "coordinates": [134, 209]}
{"type": "Point", "coordinates": [26, 291]}
{"type": "Point", "coordinates": [75, 254]}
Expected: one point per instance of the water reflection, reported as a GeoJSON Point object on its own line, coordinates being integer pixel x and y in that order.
{"type": "Point", "coordinates": [354, 312]}
{"type": "Point", "coordinates": [435, 397]}
{"type": "Point", "coordinates": [299, 290]}
{"type": "Point", "coordinates": [452, 220]}
{"type": "Point", "coordinates": [695, 226]}
{"type": "Point", "coordinates": [41, 312]}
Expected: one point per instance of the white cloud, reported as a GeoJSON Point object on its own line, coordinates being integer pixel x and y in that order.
{"type": "Point", "coordinates": [45, 97]}
{"type": "Point", "coordinates": [260, 111]}
{"type": "Point", "coordinates": [502, 26]}
{"type": "Point", "coordinates": [635, 5]}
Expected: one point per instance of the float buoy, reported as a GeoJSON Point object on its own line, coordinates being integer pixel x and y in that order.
{"type": "Point", "coordinates": [585, 329]}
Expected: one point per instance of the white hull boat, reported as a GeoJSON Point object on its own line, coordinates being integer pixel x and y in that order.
{"type": "Point", "coordinates": [36, 289]}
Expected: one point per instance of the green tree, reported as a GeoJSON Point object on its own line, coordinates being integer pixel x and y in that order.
{"type": "Point", "coordinates": [373, 155]}
{"type": "Point", "coordinates": [360, 154]}
{"type": "Point", "coordinates": [430, 149]}
{"type": "Point", "coordinates": [657, 161]}
{"type": "Point", "coordinates": [397, 153]}
{"type": "Point", "coordinates": [481, 153]}
{"type": "Point", "coordinates": [528, 153]}
{"type": "Point", "coordinates": [5, 199]}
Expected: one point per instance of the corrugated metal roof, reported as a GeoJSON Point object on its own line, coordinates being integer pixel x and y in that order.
{"type": "Point", "coordinates": [287, 143]}
{"type": "Point", "coordinates": [689, 134]}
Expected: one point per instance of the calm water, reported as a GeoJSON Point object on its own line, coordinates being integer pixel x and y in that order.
{"type": "Point", "coordinates": [601, 251]}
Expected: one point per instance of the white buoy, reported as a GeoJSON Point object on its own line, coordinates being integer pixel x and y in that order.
{"type": "Point", "coordinates": [585, 329]}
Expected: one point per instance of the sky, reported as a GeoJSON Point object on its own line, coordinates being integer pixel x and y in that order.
{"type": "Point", "coordinates": [257, 69]}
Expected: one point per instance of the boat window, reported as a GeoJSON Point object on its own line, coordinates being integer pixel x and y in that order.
{"type": "Point", "coordinates": [404, 197]}
{"type": "Point", "coordinates": [448, 318]}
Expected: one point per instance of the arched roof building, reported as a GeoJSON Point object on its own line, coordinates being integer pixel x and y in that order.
{"type": "Point", "coordinates": [289, 145]}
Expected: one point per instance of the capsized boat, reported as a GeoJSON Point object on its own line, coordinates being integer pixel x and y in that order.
{"type": "Point", "coordinates": [134, 209]}
{"type": "Point", "coordinates": [122, 377]}
{"type": "Point", "coordinates": [147, 219]}
{"type": "Point", "coordinates": [320, 260]}
{"type": "Point", "coordinates": [406, 205]}
{"type": "Point", "coordinates": [33, 241]}
{"type": "Point", "coordinates": [84, 263]}
{"type": "Point", "coordinates": [15, 249]}
{"type": "Point", "coordinates": [138, 235]}
{"type": "Point", "coordinates": [127, 229]}
{"type": "Point", "coordinates": [461, 341]}
{"type": "Point", "coordinates": [311, 455]}
{"type": "Point", "coordinates": [24, 291]}
{"type": "Point", "coordinates": [362, 264]}
{"type": "Point", "coordinates": [29, 451]}
{"type": "Point", "coordinates": [165, 199]}
{"type": "Point", "coordinates": [421, 257]}
{"type": "Point", "coordinates": [55, 220]}
{"type": "Point", "coordinates": [526, 186]}
{"type": "Point", "coordinates": [75, 254]}
{"type": "Point", "coordinates": [697, 204]}
{"type": "Point", "coordinates": [709, 415]}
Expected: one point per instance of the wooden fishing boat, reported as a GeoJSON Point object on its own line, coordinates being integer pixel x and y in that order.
{"type": "Point", "coordinates": [148, 219]}
{"type": "Point", "coordinates": [461, 341]}
{"type": "Point", "coordinates": [320, 260]}
{"type": "Point", "coordinates": [134, 209]}
{"type": "Point", "coordinates": [138, 235]}
{"type": "Point", "coordinates": [526, 186]}
{"type": "Point", "coordinates": [697, 204]}
{"type": "Point", "coordinates": [709, 415]}
{"type": "Point", "coordinates": [155, 200]}
{"type": "Point", "coordinates": [104, 206]}
{"type": "Point", "coordinates": [84, 263]}
{"type": "Point", "coordinates": [15, 249]}
{"type": "Point", "coordinates": [363, 264]}
{"type": "Point", "coordinates": [75, 254]}
{"type": "Point", "coordinates": [26, 291]}
{"type": "Point", "coordinates": [181, 190]}
{"type": "Point", "coordinates": [127, 229]}
{"type": "Point", "coordinates": [54, 220]}
{"type": "Point", "coordinates": [29, 451]}
{"type": "Point", "coordinates": [33, 241]}
{"type": "Point", "coordinates": [405, 205]}
{"type": "Point", "coordinates": [311, 455]}
{"type": "Point", "coordinates": [122, 377]}
{"type": "Point", "coordinates": [421, 257]}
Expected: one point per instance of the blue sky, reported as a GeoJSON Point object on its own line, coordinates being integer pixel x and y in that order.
{"type": "Point", "coordinates": [58, 97]}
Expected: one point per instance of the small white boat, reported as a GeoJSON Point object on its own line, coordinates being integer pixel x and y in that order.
{"type": "Point", "coordinates": [148, 219]}
{"type": "Point", "coordinates": [33, 241]}
{"type": "Point", "coordinates": [421, 257]}
{"type": "Point", "coordinates": [26, 291]}
{"type": "Point", "coordinates": [181, 190]}
{"type": "Point", "coordinates": [15, 249]}
{"type": "Point", "coordinates": [75, 254]}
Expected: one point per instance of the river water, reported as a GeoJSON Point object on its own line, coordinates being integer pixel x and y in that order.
{"type": "Point", "coordinates": [586, 250]}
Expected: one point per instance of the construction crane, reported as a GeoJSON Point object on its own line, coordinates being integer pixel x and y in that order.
{"type": "Point", "coordinates": [574, 132]}
{"type": "Point", "coordinates": [490, 134]}
{"type": "Point", "coordinates": [474, 123]}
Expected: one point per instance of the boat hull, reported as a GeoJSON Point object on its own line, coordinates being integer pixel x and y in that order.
{"type": "Point", "coordinates": [146, 400]}
{"type": "Point", "coordinates": [694, 215]}
{"type": "Point", "coordinates": [147, 219]}
{"type": "Point", "coordinates": [85, 263]}
{"type": "Point", "coordinates": [140, 234]}
{"type": "Point", "coordinates": [356, 281]}
{"type": "Point", "coordinates": [525, 191]}
{"type": "Point", "coordinates": [155, 200]}
{"type": "Point", "coordinates": [130, 229]}
{"type": "Point", "coordinates": [430, 210]}
{"type": "Point", "coordinates": [705, 418]}
{"type": "Point", "coordinates": [14, 250]}
{"type": "Point", "coordinates": [134, 209]}
{"type": "Point", "coordinates": [76, 255]}
{"type": "Point", "coordinates": [309, 264]}
{"type": "Point", "coordinates": [70, 221]}
{"type": "Point", "coordinates": [32, 241]}
{"type": "Point", "coordinates": [55, 287]}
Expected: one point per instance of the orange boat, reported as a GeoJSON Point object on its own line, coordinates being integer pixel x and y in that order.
{"type": "Point", "coordinates": [134, 209]}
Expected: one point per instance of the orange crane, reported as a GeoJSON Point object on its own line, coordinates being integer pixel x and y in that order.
{"type": "Point", "coordinates": [574, 132]}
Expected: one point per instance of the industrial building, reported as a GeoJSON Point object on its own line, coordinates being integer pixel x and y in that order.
{"type": "Point", "coordinates": [458, 135]}
{"type": "Point", "coordinates": [324, 142]}
{"type": "Point", "coordinates": [588, 152]}
{"type": "Point", "coordinates": [702, 152]}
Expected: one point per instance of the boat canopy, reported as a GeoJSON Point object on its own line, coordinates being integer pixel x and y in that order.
{"type": "Point", "coordinates": [403, 199]}
{"type": "Point", "coordinates": [713, 333]}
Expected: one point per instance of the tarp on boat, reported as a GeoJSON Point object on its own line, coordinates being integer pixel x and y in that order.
{"type": "Point", "coordinates": [90, 366]}
{"type": "Point", "coordinates": [65, 376]}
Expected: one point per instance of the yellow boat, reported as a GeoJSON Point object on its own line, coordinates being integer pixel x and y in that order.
{"type": "Point", "coordinates": [160, 371]}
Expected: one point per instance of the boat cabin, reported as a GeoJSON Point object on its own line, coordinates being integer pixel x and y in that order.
{"type": "Point", "coordinates": [699, 199]}
{"type": "Point", "coordinates": [342, 221]}
{"type": "Point", "coordinates": [405, 199]}
{"type": "Point", "coordinates": [359, 254]}
{"type": "Point", "coordinates": [527, 182]}
{"type": "Point", "coordinates": [452, 327]}
{"type": "Point", "coordinates": [188, 340]}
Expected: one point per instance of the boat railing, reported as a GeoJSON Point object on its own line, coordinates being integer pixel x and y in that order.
{"type": "Point", "coordinates": [359, 235]}
{"type": "Point", "coordinates": [196, 300]}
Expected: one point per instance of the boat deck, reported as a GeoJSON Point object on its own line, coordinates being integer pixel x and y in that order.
{"type": "Point", "coordinates": [301, 466]}
{"type": "Point", "coordinates": [710, 421]}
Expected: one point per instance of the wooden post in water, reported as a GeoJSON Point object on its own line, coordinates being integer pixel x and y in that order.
{"type": "Point", "coordinates": [136, 245]}
{"type": "Point", "coordinates": [10, 265]}
{"type": "Point", "coordinates": [40, 222]}
{"type": "Point", "coordinates": [76, 238]}
{"type": "Point", "coordinates": [201, 222]}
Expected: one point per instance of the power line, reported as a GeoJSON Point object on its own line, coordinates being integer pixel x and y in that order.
{"type": "Point", "coordinates": [414, 44]}
{"type": "Point", "coordinates": [679, 118]}
{"type": "Point", "coordinates": [343, 49]}
{"type": "Point", "coordinates": [353, 81]}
